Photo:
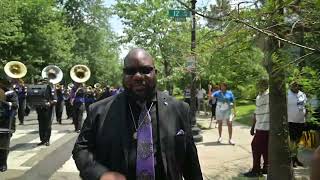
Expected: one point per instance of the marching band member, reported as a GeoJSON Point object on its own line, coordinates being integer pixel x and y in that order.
{"type": "Point", "coordinates": [8, 107]}
{"type": "Point", "coordinates": [89, 98]}
{"type": "Point", "coordinates": [67, 103]}
{"type": "Point", "coordinates": [79, 74]}
{"type": "Point", "coordinates": [60, 102]}
{"type": "Point", "coordinates": [44, 112]}
{"type": "Point", "coordinates": [20, 89]}
{"type": "Point", "coordinates": [78, 105]}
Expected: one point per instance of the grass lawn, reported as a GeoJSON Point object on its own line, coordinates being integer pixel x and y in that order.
{"type": "Point", "coordinates": [244, 113]}
{"type": "Point", "coordinates": [245, 109]}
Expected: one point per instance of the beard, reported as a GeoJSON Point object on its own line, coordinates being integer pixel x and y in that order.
{"type": "Point", "coordinates": [148, 94]}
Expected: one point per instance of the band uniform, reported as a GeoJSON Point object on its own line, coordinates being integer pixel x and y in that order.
{"type": "Point", "coordinates": [8, 110]}
{"type": "Point", "coordinates": [60, 103]}
{"type": "Point", "coordinates": [44, 112]}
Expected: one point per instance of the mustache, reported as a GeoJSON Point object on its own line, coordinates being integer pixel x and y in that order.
{"type": "Point", "coordinates": [140, 82]}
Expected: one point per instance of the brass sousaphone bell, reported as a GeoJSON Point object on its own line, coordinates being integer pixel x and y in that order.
{"type": "Point", "coordinates": [53, 73]}
{"type": "Point", "coordinates": [70, 86]}
{"type": "Point", "coordinates": [80, 73]}
{"type": "Point", "coordinates": [15, 69]}
{"type": "Point", "coordinates": [97, 85]}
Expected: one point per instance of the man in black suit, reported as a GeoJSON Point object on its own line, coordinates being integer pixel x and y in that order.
{"type": "Point", "coordinates": [114, 144]}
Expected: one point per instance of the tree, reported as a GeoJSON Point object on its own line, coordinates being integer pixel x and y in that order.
{"type": "Point", "coordinates": [47, 39]}
{"type": "Point", "coordinates": [95, 45]}
{"type": "Point", "coordinates": [219, 10]}
{"type": "Point", "coordinates": [10, 32]}
{"type": "Point", "coordinates": [148, 26]}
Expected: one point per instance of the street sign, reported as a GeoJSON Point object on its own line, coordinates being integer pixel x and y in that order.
{"type": "Point", "coordinates": [179, 13]}
{"type": "Point", "coordinates": [191, 63]}
{"type": "Point", "coordinates": [180, 19]}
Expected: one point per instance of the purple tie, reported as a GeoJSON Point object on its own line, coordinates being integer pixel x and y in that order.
{"type": "Point", "coordinates": [145, 159]}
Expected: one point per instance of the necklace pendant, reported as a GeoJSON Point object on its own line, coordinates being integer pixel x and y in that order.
{"type": "Point", "coordinates": [134, 135]}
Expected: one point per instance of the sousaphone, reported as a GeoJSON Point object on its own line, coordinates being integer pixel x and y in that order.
{"type": "Point", "coordinates": [15, 69]}
{"type": "Point", "coordinates": [53, 73]}
{"type": "Point", "coordinates": [80, 73]}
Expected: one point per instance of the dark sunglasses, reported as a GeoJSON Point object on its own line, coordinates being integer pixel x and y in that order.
{"type": "Point", "coordinates": [141, 70]}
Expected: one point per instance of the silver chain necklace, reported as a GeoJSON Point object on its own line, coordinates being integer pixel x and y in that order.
{"type": "Point", "coordinates": [134, 122]}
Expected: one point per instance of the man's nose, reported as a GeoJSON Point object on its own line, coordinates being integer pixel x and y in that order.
{"type": "Point", "coordinates": [138, 75]}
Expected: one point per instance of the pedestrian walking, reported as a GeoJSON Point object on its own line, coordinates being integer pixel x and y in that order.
{"type": "Point", "coordinates": [260, 131]}
{"type": "Point", "coordinates": [296, 106]}
{"type": "Point", "coordinates": [225, 104]}
{"type": "Point", "coordinates": [213, 103]}
{"type": "Point", "coordinates": [200, 100]}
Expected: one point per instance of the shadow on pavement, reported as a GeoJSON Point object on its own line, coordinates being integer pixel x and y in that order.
{"type": "Point", "coordinates": [29, 124]}
{"type": "Point", "coordinates": [214, 144]}
{"type": "Point", "coordinates": [239, 177]}
{"type": "Point", "coordinates": [67, 131]}
{"type": "Point", "coordinates": [23, 146]}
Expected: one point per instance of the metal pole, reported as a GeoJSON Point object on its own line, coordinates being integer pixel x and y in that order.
{"type": "Point", "coordinates": [195, 130]}
{"type": "Point", "coordinates": [193, 107]}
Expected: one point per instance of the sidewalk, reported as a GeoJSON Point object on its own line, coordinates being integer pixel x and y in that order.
{"type": "Point", "coordinates": [224, 161]}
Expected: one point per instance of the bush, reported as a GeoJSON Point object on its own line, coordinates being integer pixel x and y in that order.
{"type": "Point", "coordinates": [177, 91]}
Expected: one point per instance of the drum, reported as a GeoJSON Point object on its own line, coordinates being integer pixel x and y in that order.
{"type": "Point", "coordinates": [37, 95]}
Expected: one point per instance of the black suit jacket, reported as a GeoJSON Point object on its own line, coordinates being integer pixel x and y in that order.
{"type": "Point", "coordinates": [103, 141]}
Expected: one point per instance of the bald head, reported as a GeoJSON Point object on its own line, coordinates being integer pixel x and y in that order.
{"type": "Point", "coordinates": [139, 75]}
{"type": "Point", "coordinates": [137, 53]}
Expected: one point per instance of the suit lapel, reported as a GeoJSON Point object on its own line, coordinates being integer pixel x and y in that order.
{"type": "Point", "coordinates": [120, 115]}
{"type": "Point", "coordinates": [162, 110]}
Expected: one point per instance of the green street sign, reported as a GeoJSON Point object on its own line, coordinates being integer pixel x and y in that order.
{"type": "Point", "coordinates": [179, 13]}
{"type": "Point", "coordinates": [180, 19]}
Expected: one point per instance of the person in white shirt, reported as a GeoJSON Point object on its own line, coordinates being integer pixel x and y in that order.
{"type": "Point", "coordinates": [260, 131]}
{"type": "Point", "coordinates": [296, 105]}
{"type": "Point", "coordinates": [200, 99]}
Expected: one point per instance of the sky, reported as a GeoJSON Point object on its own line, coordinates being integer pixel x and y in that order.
{"type": "Point", "coordinates": [118, 27]}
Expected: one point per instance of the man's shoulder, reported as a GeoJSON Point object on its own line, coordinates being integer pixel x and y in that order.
{"type": "Point", "coordinates": [229, 92]}
{"type": "Point", "coordinates": [301, 93]}
{"type": "Point", "coordinates": [104, 102]}
{"type": "Point", "coordinates": [216, 93]}
{"type": "Point", "coordinates": [172, 100]}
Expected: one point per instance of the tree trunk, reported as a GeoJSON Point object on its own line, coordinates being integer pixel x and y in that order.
{"type": "Point", "coordinates": [279, 152]}
{"type": "Point", "coordinates": [167, 74]}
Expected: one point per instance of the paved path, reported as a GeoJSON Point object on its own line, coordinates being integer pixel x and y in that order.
{"type": "Point", "coordinates": [30, 162]}
{"type": "Point", "coordinates": [27, 161]}
{"type": "Point", "coordinates": [224, 161]}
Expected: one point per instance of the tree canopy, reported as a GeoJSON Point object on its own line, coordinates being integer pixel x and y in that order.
{"type": "Point", "coordinates": [63, 33]}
